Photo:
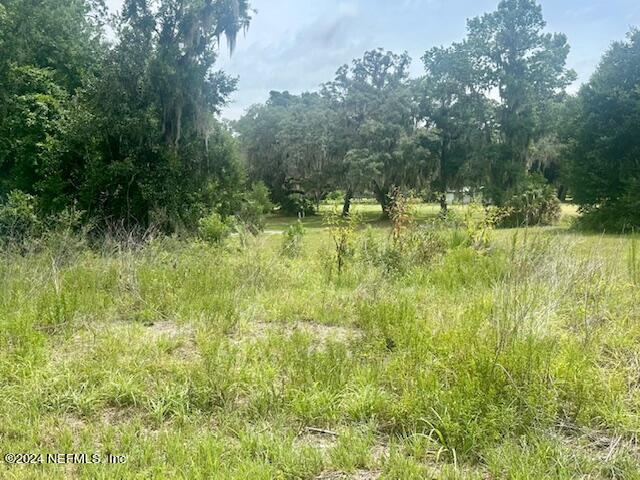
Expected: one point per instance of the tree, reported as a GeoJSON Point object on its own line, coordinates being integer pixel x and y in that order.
{"type": "Point", "coordinates": [548, 154]}
{"type": "Point", "coordinates": [373, 98]}
{"type": "Point", "coordinates": [142, 141]}
{"type": "Point", "coordinates": [46, 49]}
{"type": "Point", "coordinates": [288, 144]}
{"type": "Point", "coordinates": [458, 115]}
{"type": "Point", "coordinates": [526, 68]}
{"type": "Point", "coordinates": [188, 34]}
{"type": "Point", "coordinates": [605, 160]}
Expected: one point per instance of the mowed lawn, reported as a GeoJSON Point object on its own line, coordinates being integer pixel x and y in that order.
{"type": "Point", "coordinates": [195, 361]}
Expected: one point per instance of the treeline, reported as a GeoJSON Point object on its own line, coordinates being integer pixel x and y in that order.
{"type": "Point", "coordinates": [490, 115]}
{"type": "Point", "coordinates": [114, 120]}
{"type": "Point", "coordinates": [116, 117]}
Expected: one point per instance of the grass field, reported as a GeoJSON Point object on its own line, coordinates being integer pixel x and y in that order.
{"type": "Point", "coordinates": [192, 361]}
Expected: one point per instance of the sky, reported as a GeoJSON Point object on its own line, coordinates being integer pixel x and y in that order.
{"type": "Point", "coordinates": [296, 45]}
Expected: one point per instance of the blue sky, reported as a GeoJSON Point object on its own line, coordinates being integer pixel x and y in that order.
{"type": "Point", "coordinates": [296, 45]}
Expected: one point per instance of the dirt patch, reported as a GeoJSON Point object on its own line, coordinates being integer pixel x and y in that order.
{"type": "Point", "coordinates": [357, 475]}
{"type": "Point", "coordinates": [117, 416]}
{"type": "Point", "coordinates": [322, 333]}
{"type": "Point", "coordinates": [379, 453]}
{"type": "Point", "coordinates": [72, 422]}
{"type": "Point", "coordinates": [319, 440]}
{"type": "Point", "coordinates": [606, 447]}
{"type": "Point", "coordinates": [179, 339]}
{"type": "Point", "coordinates": [182, 335]}
{"type": "Point", "coordinates": [167, 329]}
{"type": "Point", "coordinates": [78, 345]}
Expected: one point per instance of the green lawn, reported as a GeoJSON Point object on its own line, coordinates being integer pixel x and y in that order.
{"type": "Point", "coordinates": [520, 360]}
{"type": "Point", "coordinates": [370, 214]}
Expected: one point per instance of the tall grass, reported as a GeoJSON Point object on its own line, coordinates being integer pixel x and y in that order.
{"type": "Point", "coordinates": [517, 358]}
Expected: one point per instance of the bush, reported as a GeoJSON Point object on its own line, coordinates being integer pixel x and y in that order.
{"type": "Point", "coordinates": [425, 244]}
{"type": "Point", "coordinates": [336, 196]}
{"type": "Point", "coordinates": [617, 215]}
{"type": "Point", "coordinates": [19, 220]}
{"type": "Point", "coordinates": [298, 205]}
{"type": "Point", "coordinates": [343, 232]}
{"type": "Point", "coordinates": [213, 228]}
{"type": "Point", "coordinates": [250, 218]}
{"type": "Point", "coordinates": [260, 197]}
{"type": "Point", "coordinates": [255, 205]}
{"type": "Point", "coordinates": [534, 202]}
{"type": "Point", "coordinates": [370, 247]}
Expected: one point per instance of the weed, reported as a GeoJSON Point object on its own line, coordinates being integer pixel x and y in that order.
{"type": "Point", "coordinates": [484, 354]}
{"type": "Point", "coordinates": [342, 231]}
{"type": "Point", "coordinates": [292, 240]}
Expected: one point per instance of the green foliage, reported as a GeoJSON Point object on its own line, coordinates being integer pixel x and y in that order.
{"type": "Point", "coordinates": [604, 174]}
{"type": "Point", "coordinates": [253, 208]}
{"type": "Point", "coordinates": [533, 203]}
{"type": "Point", "coordinates": [460, 116]}
{"type": "Point", "coordinates": [19, 220]}
{"type": "Point", "coordinates": [517, 361]}
{"type": "Point", "coordinates": [527, 66]}
{"type": "Point", "coordinates": [342, 231]}
{"type": "Point", "coordinates": [259, 195]}
{"type": "Point", "coordinates": [371, 128]}
{"type": "Point", "coordinates": [287, 143]}
{"type": "Point", "coordinates": [375, 132]}
{"type": "Point", "coordinates": [419, 248]}
{"type": "Point", "coordinates": [292, 240]}
{"type": "Point", "coordinates": [297, 204]}
{"type": "Point", "coordinates": [213, 228]}
{"type": "Point", "coordinates": [409, 246]}
{"type": "Point", "coordinates": [401, 216]}
{"type": "Point", "coordinates": [335, 196]}
{"type": "Point", "coordinates": [125, 130]}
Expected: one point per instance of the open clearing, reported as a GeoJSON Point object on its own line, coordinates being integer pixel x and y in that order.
{"type": "Point", "coordinates": [195, 361]}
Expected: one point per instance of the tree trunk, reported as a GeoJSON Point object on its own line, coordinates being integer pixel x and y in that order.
{"type": "Point", "coordinates": [443, 204]}
{"type": "Point", "coordinates": [382, 196]}
{"type": "Point", "coordinates": [346, 207]}
{"type": "Point", "coordinates": [443, 175]}
{"type": "Point", "coordinates": [562, 193]}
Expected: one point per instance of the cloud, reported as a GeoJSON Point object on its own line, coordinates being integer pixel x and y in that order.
{"type": "Point", "coordinates": [299, 60]}
{"type": "Point", "coordinates": [348, 8]}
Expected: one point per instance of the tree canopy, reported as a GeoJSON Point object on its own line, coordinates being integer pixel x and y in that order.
{"type": "Point", "coordinates": [481, 117]}
{"type": "Point", "coordinates": [123, 130]}
{"type": "Point", "coordinates": [605, 158]}
{"type": "Point", "coordinates": [124, 127]}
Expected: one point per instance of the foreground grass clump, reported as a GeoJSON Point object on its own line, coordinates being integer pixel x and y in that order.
{"type": "Point", "coordinates": [516, 358]}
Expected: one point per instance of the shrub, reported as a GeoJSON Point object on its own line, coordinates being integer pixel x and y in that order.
{"type": "Point", "coordinates": [369, 247]}
{"type": "Point", "coordinates": [336, 196]}
{"type": "Point", "coordinates": [19, 220]}
{"type": "Point", "coordinates": [253, 208]}
{"type": "Point", "coordinates": [610, 216]}
{"type": "Point", "coordinates": [534, 202]}
{"type": "Point", "coordinates": [250, 218]}
{"type": "Point", "coordinates": [402, 217]}
{"type": "Point", "coordinates": [479, 223]}
{"type": "Point", "coordinates": [342, 231]}
{"type": "Point", "coordinates": [260, 197]}
{"type": "Point", "coordinates": [298, 205]}
{"type": "Point", "coordinates": [292, 240]}
{"type": "Point", "coordinates": [425, 244]}
{"type": "Point", "coordinates": [213, 228]}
